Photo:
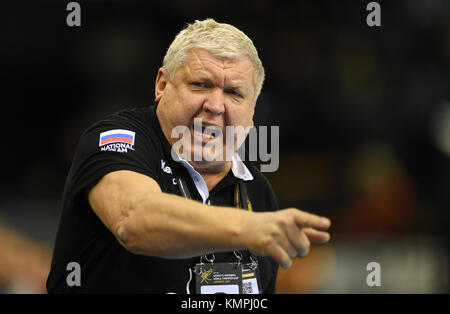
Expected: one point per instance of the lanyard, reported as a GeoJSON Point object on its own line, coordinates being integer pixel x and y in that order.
{"type": "Point", "coordinates": [241, 200]}
{"type": "Point", "coordinates": [246, 274]}
{"type": "Point", "coordinates": [240, 189]}
{"type": "Point", "coordinates": [184, 188]}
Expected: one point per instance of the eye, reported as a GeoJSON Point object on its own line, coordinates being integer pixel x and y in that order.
{"type": "Point", "coordinates": [235, 93]}
{"type": "Point", "coordinates": [198, 84]}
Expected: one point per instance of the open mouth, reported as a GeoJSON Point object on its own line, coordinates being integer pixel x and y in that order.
{"type": "Point", "coordinates": [207, 132]}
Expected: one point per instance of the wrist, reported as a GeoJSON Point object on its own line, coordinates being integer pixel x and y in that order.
{"type": "Point", "coordinates": [240, 228]}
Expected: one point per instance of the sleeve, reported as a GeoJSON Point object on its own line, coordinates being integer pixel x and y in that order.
{"type": "Point", "coordinates": [108, 147]}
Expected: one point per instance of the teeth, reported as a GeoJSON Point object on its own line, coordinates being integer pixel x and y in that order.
{"type": "Point", "coordinates": [204, 135]}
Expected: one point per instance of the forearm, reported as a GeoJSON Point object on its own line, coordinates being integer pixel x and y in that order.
{"type": "Point", "coordinates": [149, 222]}
{"type": "Point", "coordinates": [166, 225]}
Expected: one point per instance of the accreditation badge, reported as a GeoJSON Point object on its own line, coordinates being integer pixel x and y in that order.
{"type": "Point", "coordinates": [227, 278]}
{"type": "Point", "coordinates": [250, 279]}
{"type": "Point", "coordinates": [218, 278]}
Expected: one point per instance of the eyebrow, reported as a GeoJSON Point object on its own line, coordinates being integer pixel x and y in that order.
{"type": "Point", "coordinates": [204, 78]}
{"type": "Point", "coordinates": [207, 79]}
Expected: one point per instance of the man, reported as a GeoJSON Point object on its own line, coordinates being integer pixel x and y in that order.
{"type": "Point", "coordinates": [141, 217]}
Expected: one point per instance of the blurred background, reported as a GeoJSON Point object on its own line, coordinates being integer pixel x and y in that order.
{"type": "Point", "coordinates": [364, 116]}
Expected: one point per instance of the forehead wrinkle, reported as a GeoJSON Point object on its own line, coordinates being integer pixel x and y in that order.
{"type": "Point", "coordinates": [217, 62]}
{"type": "Point", "coordinates": [201, 65]}
{"type": "Point", "coordinates": [196, 63]}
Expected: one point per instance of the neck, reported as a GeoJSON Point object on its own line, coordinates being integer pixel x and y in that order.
{"type": "Point", "coordinates": [212, 174]}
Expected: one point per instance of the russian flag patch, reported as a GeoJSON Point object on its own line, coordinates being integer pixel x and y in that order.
{"type": "Point", "coordinates": [117, 136]}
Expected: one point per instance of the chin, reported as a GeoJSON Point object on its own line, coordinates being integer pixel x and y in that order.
{"type": "Point", "coordinates": [209, 166]}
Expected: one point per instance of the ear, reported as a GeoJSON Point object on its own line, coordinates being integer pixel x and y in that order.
{"type": "Point", "coordinates": [160, 84]}
{"type": "Point", "coordinates": [252, 108]}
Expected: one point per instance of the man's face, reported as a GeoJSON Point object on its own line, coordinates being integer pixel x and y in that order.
{"type": "Point", "coordinates": [218, 91]}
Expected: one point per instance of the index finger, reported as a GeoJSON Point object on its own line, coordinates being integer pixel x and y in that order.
{"type": "Point", "coordinates": [308, 220]}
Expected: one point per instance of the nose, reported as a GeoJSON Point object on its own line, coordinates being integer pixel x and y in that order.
{"type": "Point", "coordinates": [214, 102]}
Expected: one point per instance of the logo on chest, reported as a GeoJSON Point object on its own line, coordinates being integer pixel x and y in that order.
{"type": "Point", "coordinates": [168, 170]}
